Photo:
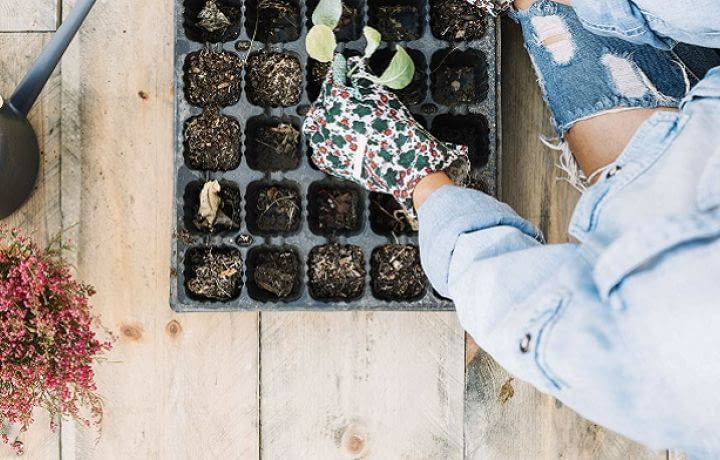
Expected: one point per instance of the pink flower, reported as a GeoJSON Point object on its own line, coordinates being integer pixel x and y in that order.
{"type": "Point", "coordinates": [47, 345]}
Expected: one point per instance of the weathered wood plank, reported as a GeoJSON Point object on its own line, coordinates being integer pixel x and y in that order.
{"type": "Point", "coordinates": [40, 216]}
{"type": "Point", "coordinates": [175, 386]}
{"type": "Point", "coordinates": [507, 418]}
{"type": "Point", "coordinates": [28, 15]}
{"type": "Point", "coordinates": [344, 385]}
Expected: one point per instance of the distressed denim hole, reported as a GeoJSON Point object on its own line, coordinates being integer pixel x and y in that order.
{"type": "Point", "coordinates": [553, 34]}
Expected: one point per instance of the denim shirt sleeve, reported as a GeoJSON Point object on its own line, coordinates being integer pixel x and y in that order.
{"type": "Point", "coordinates": [651, 22]}
{"type": "Point", "coordinates": [620, 19]}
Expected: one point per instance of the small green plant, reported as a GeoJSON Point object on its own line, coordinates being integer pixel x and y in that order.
{"type": "Point", "coordinates": [321, 44]}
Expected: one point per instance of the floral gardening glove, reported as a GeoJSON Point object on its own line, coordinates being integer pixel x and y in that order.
{"type": "Point", "coordinates": [492, 7]}
{"type": "Point", "coordinates": [361, 131]}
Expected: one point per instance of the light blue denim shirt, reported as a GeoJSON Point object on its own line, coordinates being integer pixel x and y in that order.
{"type": "Point", "coordinates": [624, 325]}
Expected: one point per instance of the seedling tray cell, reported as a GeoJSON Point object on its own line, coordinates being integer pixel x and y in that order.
{"type": "Point", "coordinates": [290, 237]}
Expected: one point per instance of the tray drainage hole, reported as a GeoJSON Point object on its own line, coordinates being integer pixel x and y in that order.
{"type": "Point", "coordinates": [456, 20]}
{"type": "Point", "coordinates": [415, 92]}
{"type": "Point", "coordinates": [274, 79]}
{"type": "Point", "coordinates": [459, 77]}
{"type": "Point", "coordinates": [213, 273]}
{"type": "Point", "coordinates": [351, 21]}
{"type": "Point", "coordinates": [212, 20]}
{"type": "Point", "coordinates": [212, 78]}
{"type": "Point", "coordinates": [334, 209]}
{"type": "Point", "coordinates": [274, 273]}
{"type": "Point", "coordinates": [273, 21]}
{"type": "Point", "coordinates": [470, 130]}
{"type": "Point", "coordinates": [397, 20]}
{"type": "Point", "coordinates": [212, 141]}
{"type": "Point", "coordinates": [272, 143]}
{"type": "Point", "coordinates": [396, 273]}
{"type": "Point", "coordinates": [336, 272]}
{"type": "Point", "coordinates": [273, 208]}
{"type": "Point", "coordinates": [386, 216]}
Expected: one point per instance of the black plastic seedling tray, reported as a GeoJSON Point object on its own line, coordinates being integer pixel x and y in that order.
{"type": "Point", "coordinates": [473, 122]}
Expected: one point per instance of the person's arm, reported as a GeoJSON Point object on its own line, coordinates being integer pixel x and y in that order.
{"type": "Point", "coordinates": [651, 22]}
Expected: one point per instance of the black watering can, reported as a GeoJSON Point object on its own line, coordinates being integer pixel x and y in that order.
{"type": "Point", "coordinates": [19, 151]}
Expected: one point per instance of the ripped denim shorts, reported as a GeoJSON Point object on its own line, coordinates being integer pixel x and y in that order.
{"type": "Point", "coordinates": [582, 74]}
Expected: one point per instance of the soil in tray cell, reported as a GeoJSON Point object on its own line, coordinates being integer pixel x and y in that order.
{"type": "Point", "coordinates": [415, 92]}
{"type": "Point", "coordinates": [350, 26]}
{"type": "Point", "coordinates": [273, 274]}
{"type": "Point", "coordinates": [397, 20]}
{"type": "Point", "coordinates": [273, 79]}
{"type": "Point", "coordinates": [387, 217]}
{"type": "Point", "coordinates": [212, 141]}
{"type": "Point", "coordinates": [336, 272]}
{"type": "Point", "coordinates": [272, 144]}
{"type": "Point", "coordinates": [212, 20]}
{"type": "Point", "coordinates": [456, 20]}
{"type": "Point", "coordinates": [396, 273]}
{"type": "Point", "coordinates": [470, 130]}
{"type": "Point", "coordinates": [334, 209]}
{"type": "Point", "coordinates": [272, 21]}
{"type": "Point", "coordinates": [212, 207]}
{"type": "Point", "coordinates": [273, 208]}
{"type": "Point", "coordinates": [459, 77]}
{"type": "Point", "coordinates": [212, 78]}
{"type": "Point", "coordinates": [213, 273]}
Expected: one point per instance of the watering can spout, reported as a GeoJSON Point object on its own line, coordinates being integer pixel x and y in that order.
{"type": "Point", "coordinates": [29, 89]}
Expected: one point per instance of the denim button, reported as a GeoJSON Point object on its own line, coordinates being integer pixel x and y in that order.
{"type": "Point", "coordinates": [525, 343]}
{"type": "Point", "coordinates": [613, 171]}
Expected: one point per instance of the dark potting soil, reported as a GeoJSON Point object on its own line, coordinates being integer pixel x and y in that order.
{"type": "Point", "coordinates": [455, 85]}
{"type": "Point", "coordinates": [273, 209]}
{"type": "Point", "coordinates": [212, 141]}
{"type": "Point", "coordinates": [274, 79]}
{"type": "Point", "coordinates": [273, 21]}
{"type": "Point", "coordinates": [336, 272]}
{"type": "Point", "coordinates": [274, 147]}
{"type": "Point", "coordinates": [412, 94]}
{"type": "Point", "coordinates": [470, 130]}
{"type": "Point", "coordinates": [334, 210]}
{"type": "Point", "coordinates": [456, 20]}
{"type": "Point", "coordinates": [387, 217]}
{"type": "Point", "coordinates": [213, 274]}
{"type": "Point", "coordinates": [212, 20]}
{"type": "Point", "coordinates": [275, 274]}
{"type": "Point", "coordinates": [350, 26]}
{"type": "Point", "coordinates": [396, 20]}
{"type": "Point", "coordinates": [396, 272]}
{"type": "Point", "coordinates": [228, 215]}
{"type": "Point", "coordinates": [316, 76]}
{"type": "Point", "coordinates": [213, 78]}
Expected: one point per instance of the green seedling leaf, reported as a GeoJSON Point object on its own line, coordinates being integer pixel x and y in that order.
{"type": "Point", "coordinates": [320, 43]}
{"type": "Point", "coordinates": [327, 13]}
{"type": "Point", "coordinates": [399, 73]}
{"type": "Point", "coordinates": [373, 38]}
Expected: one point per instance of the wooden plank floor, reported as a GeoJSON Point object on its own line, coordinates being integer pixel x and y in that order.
{"type": "Point", "coordinates": [246, 385]}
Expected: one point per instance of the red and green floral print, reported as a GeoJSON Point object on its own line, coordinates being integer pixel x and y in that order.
{"type": "Point", "coordinates": [361, 131]}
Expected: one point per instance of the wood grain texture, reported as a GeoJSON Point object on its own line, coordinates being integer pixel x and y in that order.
{"type": "Point", "coordinates": [40, 216]}
{"type": "Point", "coordinates": [353, 384]}
{"type": "Point", "coordinates": [507, 418]}
{"type": "Point", "coordinates": [28, 15]}
{"type": "Point", "coordinates": [175, 386]}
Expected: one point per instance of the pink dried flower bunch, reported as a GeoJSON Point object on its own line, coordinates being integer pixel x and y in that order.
{"type": "Point", "coordinates": [47, 342]}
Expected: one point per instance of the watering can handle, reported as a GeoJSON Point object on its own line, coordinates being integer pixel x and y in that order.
{"type": "Point", "coordinates": [29, 89]}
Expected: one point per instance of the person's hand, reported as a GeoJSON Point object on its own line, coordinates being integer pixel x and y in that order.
{"type": "Point", "coordinates": [361, 131]}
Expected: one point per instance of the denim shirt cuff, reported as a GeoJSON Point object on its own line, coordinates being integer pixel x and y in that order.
{"type": "Point", "coordinates": [450, 212]}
